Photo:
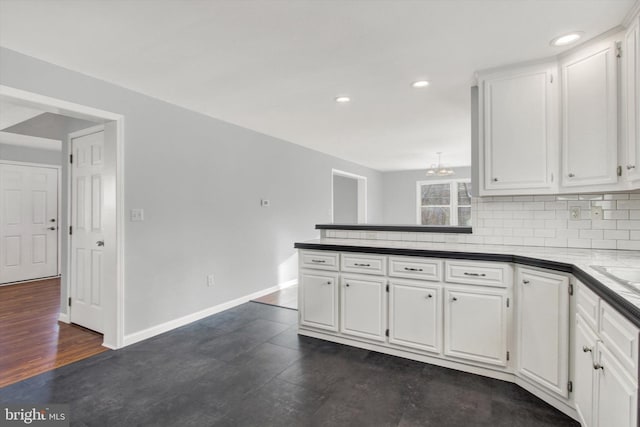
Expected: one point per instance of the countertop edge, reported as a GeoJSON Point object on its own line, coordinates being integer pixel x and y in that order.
{"type": "Point", "coordinates": [628, 310]}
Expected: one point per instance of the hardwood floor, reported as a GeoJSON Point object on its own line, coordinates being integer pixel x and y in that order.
{"type": "Point", "coordinates": [32, 340]}
{"type": "Point", "coordinates": [287, 298]}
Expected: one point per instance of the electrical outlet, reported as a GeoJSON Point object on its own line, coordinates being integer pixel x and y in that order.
{"type": "Point", "coordinates": [574, 214]}
{"type": "Point", "coordinates": [265, 203]}
{"type": "Point", "coordinates": [210, 280]}
{"type": "Point", "coordinates": [596, 212]}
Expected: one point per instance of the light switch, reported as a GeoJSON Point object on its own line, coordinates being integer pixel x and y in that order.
{"type": "Point", "coordinates": [136, 215]}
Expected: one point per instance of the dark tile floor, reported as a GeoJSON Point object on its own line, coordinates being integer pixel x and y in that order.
{"type": "Point", "coordinates": [248, 367]}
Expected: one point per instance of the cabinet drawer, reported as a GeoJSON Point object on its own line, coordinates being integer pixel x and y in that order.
{"type": "Point", "coordinates": [587, 305]}
{"type": "Point", "coordinates": [367, 264]}
{"type": "Point", "coordinates": [319, 260]}
{"type": "Point", "coordinates": [415, 268]}
{"type": "Point", "coordinates": [477, 273]}
{"type": "Point", "coordinates": [620, 337]}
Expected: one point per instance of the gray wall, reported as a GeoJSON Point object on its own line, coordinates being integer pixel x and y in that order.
{"type": "Point", "coordinates": [345, 200]}
{"type": "Point", "coordinates": [200, 181]}
{"type": "Point", "coordinates": [17, 153]}
{"type": "Point", "coordinates": [399, 193]}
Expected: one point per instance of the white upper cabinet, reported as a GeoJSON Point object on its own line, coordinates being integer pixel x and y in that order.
{"type": "Point", "coordinates": [518, 130]}
{"type": "Point", "coordinates": [590, 116]}
{"type": "Point", "coordinates": [631, 100]}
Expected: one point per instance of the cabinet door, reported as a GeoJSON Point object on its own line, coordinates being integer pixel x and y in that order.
{"type": "Point", "coordinates": [616, 392]}
{"type": "Point", "coordinates": [519, 129]}
{"type": "Point", "coordinates": [543, 329]}
{"type": "Point", "coordinates": [475, 325]}
{"type": "Point", "coordinates": [415, 315]}
{"type": "Point", "coordinates": [631, 99]}
{"type": "Point", "coordinates": [584, 359]}
{"type": "Point", "coordinates": [319, 299]}
{"type": "Point", "coordinates": [364, 307]}
{"type": "Point", "coordinates": [589, 116]}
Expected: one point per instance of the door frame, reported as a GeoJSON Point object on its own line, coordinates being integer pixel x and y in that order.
{"type": "Point", "coordinates": [114, 224]}
{"type": "Point", "coordinates": [362, 193]}
{"type": "Point", "coordinates": [58, 169]}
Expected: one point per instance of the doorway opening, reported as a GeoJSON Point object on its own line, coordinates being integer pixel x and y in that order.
{"type": "Point", "coordinates": [91, 201]}
{"type": "Point", "coordinates": [348, 198]}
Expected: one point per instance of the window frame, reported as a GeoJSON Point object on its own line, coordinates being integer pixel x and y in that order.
{"type": "Point", "coordinates": [453, 206]}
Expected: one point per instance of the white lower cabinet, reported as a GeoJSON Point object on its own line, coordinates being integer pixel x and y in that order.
{"type": "Point", "coordinates": [475, 324]}
{"type": "Point", "coordinates": [584, 358]}
{"type": "Point", "coordinates": [616, 392]}
{"type": "Point", "coordinates": [363, 309]}
{"type": "Point", "coordinates": [543, 329]}
{"type": "Point", "coordinates": [319, 299]}
{"type": "Point", "coordinates": [606, 382]}
{"type": "Point", "coordinates": [415, 315]}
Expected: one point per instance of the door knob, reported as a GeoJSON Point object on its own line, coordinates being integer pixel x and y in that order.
{"type": "Point", "coordinates": [586, 349]}
{"type": "Point", "coordinates": [454, 299]}
{"type": "Point", "coordinates": [52, 220]}
{"type": "Point", "coordinates": [597, 366]}
{"type": "Point", "coordinates": [100, 243]}
{"type": "Point", "coordinates": [51, 228]}
{"type": "Point", "coordinates": [571, 175]}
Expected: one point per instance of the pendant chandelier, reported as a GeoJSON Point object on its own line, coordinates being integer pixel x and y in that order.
{"type": "Point", "coordinates": [439, 169]}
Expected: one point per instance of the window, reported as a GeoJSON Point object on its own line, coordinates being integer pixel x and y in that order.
{"type": "Point", "coordinates": [444, 202]}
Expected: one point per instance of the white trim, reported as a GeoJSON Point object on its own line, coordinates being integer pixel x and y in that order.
{"type": "Point", "coordinates": [114, 334]}
{"type": "Point", "coordinates": [193, 317]}
{"type": "Point", "coordinates": [37, 279]}
{"type": "Point", "coordinates": [631, 15]}
{"type": "Point", "coordinates": [30, 141]}
{"type": "Point", "coordinates": [362, 193]}
{"type": "Point", "coordinates": [64, 318]}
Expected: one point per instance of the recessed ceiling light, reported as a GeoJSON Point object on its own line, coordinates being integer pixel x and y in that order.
{"type": "Point", "coordinates": [342, 99]}
{"type": "Point", "coordinates": [566, 39]}
{"type": "Point", "coordinates": [420, 83]}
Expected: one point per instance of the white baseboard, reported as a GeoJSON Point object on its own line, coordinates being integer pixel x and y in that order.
{"type": "Point", "coordinates": [64, 318]}
{"type": "Point", "coordinates": [190, 318]}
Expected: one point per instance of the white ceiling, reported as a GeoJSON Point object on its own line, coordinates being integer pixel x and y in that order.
{"type": "Point", "coordinates": [276, 66]}
{"type": "Point", "coordinates": [11, 114]}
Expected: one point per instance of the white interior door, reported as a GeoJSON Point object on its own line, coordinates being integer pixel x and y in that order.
{"type": "Point", "coordinates": [87, 237]}
{"type": "Point", "coordinates": [28, 222]}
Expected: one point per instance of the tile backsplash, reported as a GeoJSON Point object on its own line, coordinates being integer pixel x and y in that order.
{"type": "Point", "coordinates": [537, 221]}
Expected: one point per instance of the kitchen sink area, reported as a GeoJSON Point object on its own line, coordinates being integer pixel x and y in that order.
{"type": "Point", "coordinates": [627, 276]}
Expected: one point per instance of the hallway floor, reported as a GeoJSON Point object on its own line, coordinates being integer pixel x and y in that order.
{"type": "Point", "coordinates": [32, 340]}
{"type": "Point", "coordinates": [247, 366]}
{"type": "Point", "coordinates": [287, 298]}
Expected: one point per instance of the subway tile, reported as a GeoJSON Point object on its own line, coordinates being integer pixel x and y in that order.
{"type": "Point", "coordinates": [533, 206]}
{"type": "Point", "coordinates": [544, 198]}
{"type": "Point", "coordinates": [567, 197]}
{"type": "Point", "coordinates": [477, 240]}
{"type": "Point", "coordinates": [513, 206]}
{"type": "Point", "coordinates": [562, 214]}
{"type": "Point", "coordinates": [583, 223]}
{"type": "Point", "coordinates": [591, 234]}
{"type": "Point", "coordinates": [503, 214]}
{"type": "Point", "coordinates": [493, 240]}
{"type": "Point", "coordinates": [556, 242]}
{"type": "Point", "coordinates": [579, 204]}
{"type": "Point", "coordinates": [523, 215]}
{"type": "Point", "coordinates": [513, 223]}
{"type": "Point", "coordinates": [634, 235]}
{"type": "Point", "coordinates": [634, 214]}
{"type": "Point", "coordinates": [545, 232]}
{"type": "Point", "coordinates": [452, 238]}
{"type": "Point", "coordinates": [544, 214]}
{"type": "Point", "coordinates": [513, 241]}
{"type": "Point", "coordinates": [340, 234]}
{"type": "Point", "coordinates": [616, 234]}
{"type": "Point", "coordinates": [523, 232]}
{"type": "Point", "coordinates": [630, 245]}
{"type": "Point", "coordinates": [606, 204]}
{"type": "Point", "coordinates": [604, 244]}
{"type": "Point", "coordinates": [483, 231]}
{"type": "Point", "coordinates": [503, 232]}
{"type": "Point", "coordinates": [409, 237]}
{"type": "Point", "coordinates": [634, 196]}
{"type": "Point", "coordinates": [603, 224]}
{"type": "Point", "coordinates": [533, 241]}
{"type": "Point", "coordinates": [523, 198]}
{"type": "Point", "coordinates": [534, 223]}
{"type": "Point", "coordinates": [617, 215]}
{"type": "Point", "coordinates": [628, 224]}
{"type": "Point", "coordinates": [617, 196]}
{"type": "Point", "coordinates": [438, 238]}
{"type": "Point", "coordinates": [556, 223]}
{"type": "Point", "coordinates": [579, 243]}
{"type": "Point", "coordinates": [628, 204]}
{"type": "Point", "coordinates": [557, 205]}
{"type": "Point", "coordinates": [585, 214]}
{"type": "Point", "coordinates": [353, 235]}
{"type": "Point", "coordinates": [567, 234]}
{"type": "Point", "coordinates": [493, 222]}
